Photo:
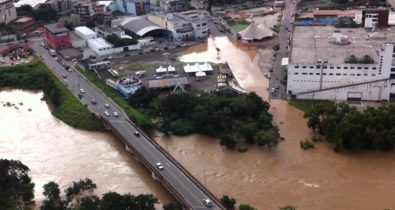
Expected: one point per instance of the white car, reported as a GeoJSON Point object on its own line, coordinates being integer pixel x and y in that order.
{"type": "Point", "coordinates": [107, 106]}
{"type": "Point", "coordinates": [82, 90]}
{"type": "Point", "coordinates": [159, 166]}
{"type": "Point", "coordinates": [106, 113]}
{"type": "Point", "coordinates": [207, 202]}
{"type": "Point", "coordinates": [116, 114]}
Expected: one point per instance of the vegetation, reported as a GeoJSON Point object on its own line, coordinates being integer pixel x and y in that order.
{"type": "Point", "coordinates": [307, 105]}
{"type": "Point", "coordinates": [365, 60]}
{"type": "Point", "coordinates": [120, 42]}
{"type": "Point", "coordinates": [246, 207]}
{"type": "Point", "coordinates": [16, 187]}
{"type": "Point", "coordinates": [44, 12]}
{"type": "Point", "coordinates": [228, 202]}
{"type": "Point", "coordinates": [307, 144]}
{"type": "Point", "coordinates": [288, 207]}
{"type": "Point", "coordinates": [141, 120]}
{"type": "Point", "coordinates": [348, 128]}
{"type": "Point", "coordinates": [80, 200]}
{"type": "Point", "coordinates": [172, 206]}
{"type": "Point", "coordinates": [346, 23]}
{"type": "Point", "coordinates": [232, 117]}
{"type": "Point", "coordinates": [65, 105]}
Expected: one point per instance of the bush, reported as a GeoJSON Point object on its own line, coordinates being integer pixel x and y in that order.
{"type": "Point", "coordinates": [228, 141]}
{"type": "Point", "coordinates": [307, 144]}
{"type": "Point", "coordinates": [242, 149]}
{"type": "Point", "coordinates": [353, 59]}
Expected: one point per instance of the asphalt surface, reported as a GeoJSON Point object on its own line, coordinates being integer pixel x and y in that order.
{"type": "Point", "coordinates": [276, 89]}
{"type": "Point", "coordinates": [183, 184]}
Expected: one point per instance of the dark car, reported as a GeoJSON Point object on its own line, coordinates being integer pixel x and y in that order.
{"type": "Point", "coordinates": [136, 133]}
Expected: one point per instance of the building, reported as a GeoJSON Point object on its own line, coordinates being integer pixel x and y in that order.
{"type": "Point", "coordinates": [133, 7]}
{"type": "Point", "coordinates": [85, 33]}
{"type": "Point", "coordinates": [375, 18]}
{"type": "Point", "coordinates": [57, 36]}
{"type": "Point", "coordinates": [320, 67]}
{"type": "Point", "coordinates": [77, 41]}
{"type": "Point", "coordinates": [24, 25]}
{"type": "Point", "coordinates": [62, 7]}
{"type": "Point", "coordinates": [324, 17]}
{"type": "Point", "coordinates": [7, 11]}
{"type": "Point", "coordinates": [103, 31]}
{"type": "Point", "coordinates": [140, 27]}
{"type": "Point", "coordinates": [168, 6]}
{"type": "Point", "coordinates": [256, 32]}
{"type": "Point", "coordinates": [84, 8]}
{"type": "Point", "coordinates": [186, 25]}
{"type": "Point", "coordinates": [100, 46]}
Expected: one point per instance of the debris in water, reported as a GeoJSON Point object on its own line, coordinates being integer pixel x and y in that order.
{"type": "Point", "coordinates": [29, 109]}
{"type": "Point", "coordinates": [21, 103]}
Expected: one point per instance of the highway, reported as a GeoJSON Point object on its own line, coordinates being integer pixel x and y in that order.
{"type": "Point", "coordinates": [187, 190]}
{"type": "Point", "coordinates": [284, 40]}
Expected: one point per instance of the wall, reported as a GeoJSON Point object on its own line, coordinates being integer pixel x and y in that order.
{"type": "Point", "coordinates": [58, 41]}
{"type": "Point", "coordinates": [7, 12]}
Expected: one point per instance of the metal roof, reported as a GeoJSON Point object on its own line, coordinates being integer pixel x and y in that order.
{"type": "Point", "coordinates": [139, 25]}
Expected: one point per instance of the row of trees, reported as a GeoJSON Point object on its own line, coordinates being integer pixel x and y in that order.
{"type": "Point", "coordinates": [232, 117]}
{"type": "Point", "coordinates": [230, 204]}
{"type": "Point", "coordinates": [44, 12]}
{"type": "Point", "coordinates": [364, 60]}
{"type": "Point", "coordinates": [348, 128]}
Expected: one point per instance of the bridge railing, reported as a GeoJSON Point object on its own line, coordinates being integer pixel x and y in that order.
{"type": "Point", "coordinates": [179, 166]}
{"type": "Point", "coordinates": [167, 185]}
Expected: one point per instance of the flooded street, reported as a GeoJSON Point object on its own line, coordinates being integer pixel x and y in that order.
{"type": "Point", "coordinates": [267, 179]}
{"type": "Point", "coordinates": [56, 152]}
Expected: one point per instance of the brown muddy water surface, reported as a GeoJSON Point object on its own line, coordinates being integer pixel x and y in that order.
{"type": "Point", "coordinates": [56, 152]}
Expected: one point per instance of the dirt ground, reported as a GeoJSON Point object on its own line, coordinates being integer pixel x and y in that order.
{"type": "Point", "coordinates": [266, 59]}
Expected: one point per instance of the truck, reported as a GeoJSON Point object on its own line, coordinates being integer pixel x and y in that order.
{"type": "Point", "coordinates": [52, 52]}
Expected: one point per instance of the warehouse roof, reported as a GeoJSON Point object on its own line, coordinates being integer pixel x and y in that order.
{"type": "Point", "coordinates": [56, 28]}
{"type": "Point", "coordinates": [138, 25]}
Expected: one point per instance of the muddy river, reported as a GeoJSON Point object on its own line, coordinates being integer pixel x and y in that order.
{"type": "Point", "coordinates": [267, 179]}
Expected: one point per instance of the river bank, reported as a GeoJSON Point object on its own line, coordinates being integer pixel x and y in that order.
{"type": "Point", "coordinates": [64, 105]}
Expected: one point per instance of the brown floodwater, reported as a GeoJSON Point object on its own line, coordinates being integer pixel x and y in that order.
{"type": "Point", "coordinates": [270, 178]}
{"type": "Point", "coordinates": [57, 152]}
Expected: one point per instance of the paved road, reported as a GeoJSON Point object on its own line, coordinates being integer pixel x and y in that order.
{"type": "Point", "coordinates": [284, 41]}
{"type": "Point", "coordinates": [183, 184]}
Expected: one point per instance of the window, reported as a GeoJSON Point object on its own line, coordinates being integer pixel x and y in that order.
{"type": "Point", "coordinates": [345, 67]}
{"type": "Point", "coordinates": [352, 67]}
{"type": "Point", "coordinates": [344, 74]}
{"type": "Point", "coordinates": [358, 74]}
{"type": "Point", "coordinates": [324, 74]}
{"type": "Point", "coordinates": [312, 67]}
{"type": "Point", "coordinates": [296, 73]}
{"type": "Point", "coordinates": [338, 74]}
{"type": "Point", "coordinates": [311, 74]}
{"type": "Point", "coordinates": [303, 67]}
{"type": "Point", "coordinates": [373, 74]}
{"type": "Point", "coordinates": [331, 67]}
{"type": "Point", "coordinates": [338, 67]}
{"type": "Point", "coordinates": [317, 73]}
{"type": "Point", "coordinates": [296, 67]}
{"type": "Point", "coordinates": [304, 73]}
{"type": "Point", "coordinates": [366, 68]}
{"type": "Point", "coordinates": [359, 68]}
{"type": "Point", "coordinates": [352, 74]}
{"type": "Point", "coordinates": [365, 74]}
{"type": "Point", "coordinates": [330, 74]}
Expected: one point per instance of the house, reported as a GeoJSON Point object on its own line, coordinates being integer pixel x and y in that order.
{"type": "Point", "coordinates": [7, 11]}
{"type": "Point", "coordinates": [24, 25]}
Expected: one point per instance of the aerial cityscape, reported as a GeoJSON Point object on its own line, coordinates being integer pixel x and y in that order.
{"type": "Point", "coordinates": [197, 104]}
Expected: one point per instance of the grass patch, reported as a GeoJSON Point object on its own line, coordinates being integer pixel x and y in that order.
{"type": "Point", "coordinates": [306, 105]}
{"type": "Point", "coordinates": [318, 4]}
{"type": "Point", "coordinates": [142, 66]}
{"type": "Point", "coordinates": [239, 27]}
{"type": "Point", "coordinates": [70, 110]}
{"type": "Point", "coordinates": [139, 118]}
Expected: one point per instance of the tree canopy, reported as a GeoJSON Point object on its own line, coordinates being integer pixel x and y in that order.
{"type": "Point", "coordinates": [348, 128]}
{"type": "Point", "coordinates": [120, 42]}
{"type": "Point", "coordinates": [232, 117]}
{"type": "Point", "coordinates": [16, 186]}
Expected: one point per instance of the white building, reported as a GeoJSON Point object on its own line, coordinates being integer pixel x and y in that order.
{"type": "Point", "coordinates": [183, 25]}
{"type": "Point", "coordinates": [7, 11]}
{"type": "Point", "coordinates": [317, 68]}
{"type": "Point", "coordinates": [101, 47]}
{"type": "Point", "coordinates": [85, 32]}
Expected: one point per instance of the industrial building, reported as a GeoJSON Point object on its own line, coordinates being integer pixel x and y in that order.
{"type": "Point", "coordinates": [174, 5]}
{"type": "Point", "coordinates": [85, 32]}
{"type": "Point", "coordinates": [320, 66]}
{"type": "Point", "coordinates": [186, 25]}
{"type": "Point", "coordinates": [7, 11]}
{"type": "Point", "coordinates": [140, 27]}
{"type": "Point", "coordinates": [100, 46]}
{"type": "Point", "coordinates": [57, 36]}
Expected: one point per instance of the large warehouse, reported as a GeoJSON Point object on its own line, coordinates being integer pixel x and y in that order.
{"type": "Point", "coordinates": [140, 27]}
{"type": "Point", "coordinates": [336, 64]}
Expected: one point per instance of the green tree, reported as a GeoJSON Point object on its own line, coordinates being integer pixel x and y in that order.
{"type": "Point", "coordinates": [15, 184]}
{"type": "Point", "coordinates": [79, 187]}
{"type": "Point", "coordinates": [367, 60]}
{"type": "Point", "coordinates": [351, 59]}
{"type": "Point", "coordinates": [89, 203]}
{"type": "Point", "coordinates": [269, 138]}
{"type": "Point", "coordinates": [246, 207]}
{"type": "Point", "coordinates": [288, 207]}
{"type": "Point", "coordinates": [172, 206]}
{"type": "Point", "coordinates": [228, 141]}
{"type": "Point", "coordinates": [51, 190]}
{"type": "Point", "coordinates": [228, 202]}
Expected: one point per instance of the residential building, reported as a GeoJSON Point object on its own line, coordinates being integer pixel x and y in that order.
{"type": "Point", "coordinates": [183, 25]}
{"type": "Point", "coordinates": [84, 8]}
{"type": "Point", "coordinates": [174, 5]}
{"type": "Point", "coordinates": [375, 18]}
{"type": "Point", "coordinates": [24, 25]}
{"type": "Point", "coordinates": [77, 41]}
{"type": "Point", "coordinates": [133, 7]}
{"type": "Point", "coordinates": [57, 36]}
{"type": "Point", "coordinates": [320, 68]}
{"type": "Point", "coordinates": [62, 7]}
{"type": "Point", "coordinates": [7, 11]}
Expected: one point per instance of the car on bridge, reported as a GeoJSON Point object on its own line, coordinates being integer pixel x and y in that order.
{"type": "Point", "coordinates": [207, 202]}
{"type": "Point", "coordinates": [159, 166]}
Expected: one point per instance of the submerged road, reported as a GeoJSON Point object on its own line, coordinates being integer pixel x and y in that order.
{"type": "Point", "coordinates": [182, 185]}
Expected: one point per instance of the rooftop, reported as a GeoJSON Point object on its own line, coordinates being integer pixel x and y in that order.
{"type": "Point", "coordinates": [56, 28]}
{"type": "Point", "coordinates": [84, 30]}
{"type": "Point", "coordinates": [99, 43]}
{"type": "Point", "coordinates": [138, 25]}
{"type": "Point", "coordinates": [23, 19]}
{"type": "Point", "coordinates": [75, 37]}
{"type": "Point", "coordinates": [310, 43]}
